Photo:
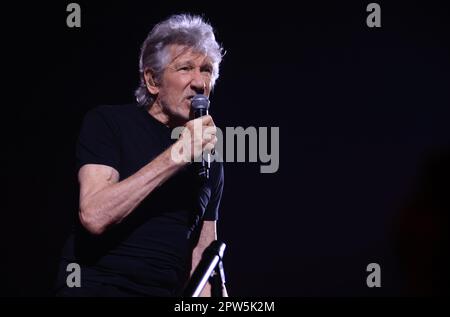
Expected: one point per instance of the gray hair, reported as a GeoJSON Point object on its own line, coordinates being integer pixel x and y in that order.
{"type": "Point", "coordinates": [182, 29]}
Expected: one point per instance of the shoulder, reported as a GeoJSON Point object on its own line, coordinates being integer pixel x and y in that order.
{"type": "Point", "coordinates": [114, 111]}
{"type": "Point", "coordinates": [113, 115]}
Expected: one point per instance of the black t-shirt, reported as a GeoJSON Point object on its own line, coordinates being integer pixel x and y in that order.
{"type": "Point", "coordinates": [149, 252]}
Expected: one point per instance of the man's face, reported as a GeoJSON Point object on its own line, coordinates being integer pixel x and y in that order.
{"type": "Point", "coordinates": [188, 73]}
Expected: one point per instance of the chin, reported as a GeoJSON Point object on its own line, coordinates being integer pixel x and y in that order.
{"type": "Point", "coordinates": [185, 114]}
{"type": "Point", "coordinates": [183, 117]}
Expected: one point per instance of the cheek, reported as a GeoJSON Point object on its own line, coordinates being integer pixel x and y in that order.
{"type": "Point", "coordinates": [175, 88]}
{"type": "Point", "coordinates": [182, 81]}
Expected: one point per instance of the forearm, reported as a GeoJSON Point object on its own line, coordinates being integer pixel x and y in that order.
{"type": "Point", "coordinates": [115, 202]}
{"type": "Point", "coordinates": [196, 257]}
{"type": "Point", "coordinates": [206, 292]}
{"type": "Point", "coordinates": [207, 235]}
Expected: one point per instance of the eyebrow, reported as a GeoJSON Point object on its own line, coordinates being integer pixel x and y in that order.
{"type": "Point", "coordinates": [190, 63]}
{"type": "Point", "coordinates": [179, 63]}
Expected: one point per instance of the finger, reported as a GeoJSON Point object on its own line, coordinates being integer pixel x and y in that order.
{"type": "Point", "coordinates": [209, 140]}
{"type": "Point", "coordinates": [210, 130]}
{"type": "Point", "coordinates": [209, 136]}
{"type": "Point", "coordinates": [207, 120]}
{"type": "Point", "coordinates": [209, 147]}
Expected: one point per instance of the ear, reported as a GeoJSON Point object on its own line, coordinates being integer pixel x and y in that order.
{"type": "Point", "coordinates": [150, 82]}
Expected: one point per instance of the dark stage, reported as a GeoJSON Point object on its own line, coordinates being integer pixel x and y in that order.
{"type": "Point", "coordinates": [364, 135]}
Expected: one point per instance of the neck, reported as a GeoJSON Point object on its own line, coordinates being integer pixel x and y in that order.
{"type": "Point", "coordinates": [156, 110]}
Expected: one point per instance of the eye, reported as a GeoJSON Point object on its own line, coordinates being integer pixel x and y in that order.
{"type": "Point", "coordinates": [185, 68]}
{"type": "Point", "coordinates": [207, 70]}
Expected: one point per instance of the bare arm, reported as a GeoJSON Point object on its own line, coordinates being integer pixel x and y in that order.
{"type": "Point", "coordinates": [105, 201]}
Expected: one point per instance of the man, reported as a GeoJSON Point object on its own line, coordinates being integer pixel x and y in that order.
{"type": "Point", "coordinates": [145, 217]}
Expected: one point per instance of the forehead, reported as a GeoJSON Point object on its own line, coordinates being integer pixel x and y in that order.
{"type": "Point", "coordinates": [184, 54]}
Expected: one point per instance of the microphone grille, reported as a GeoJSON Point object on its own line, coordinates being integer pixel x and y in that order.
{"type": "Point", "coordinates": [200, 102]}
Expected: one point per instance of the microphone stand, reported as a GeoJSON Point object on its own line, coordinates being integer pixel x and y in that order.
{"type": "Point", "coordinates": [217, 281]}
{"type": "Point", "coordinates": [207, 270]}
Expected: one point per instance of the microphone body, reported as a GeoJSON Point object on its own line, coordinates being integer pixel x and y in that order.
{"type": "Point", "coordinates": [200, 106]}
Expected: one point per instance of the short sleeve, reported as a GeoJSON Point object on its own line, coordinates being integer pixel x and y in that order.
{"type": "Point", "coordinates": [98, 140]}
{"type": "Point", "coordinates": [212, 209]}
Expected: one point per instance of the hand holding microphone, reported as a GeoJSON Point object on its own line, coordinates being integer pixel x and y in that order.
{"type": "Point", "coordinates": [199, 136]}
{"type": "Point", "coordinates": [200, 107]}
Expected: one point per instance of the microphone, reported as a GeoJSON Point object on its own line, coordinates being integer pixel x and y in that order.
{"type": "Point", "coordinates": [200, 106]}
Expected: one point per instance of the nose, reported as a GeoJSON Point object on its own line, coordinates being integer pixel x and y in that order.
{"type": "Point", "coordinates": [199, 84]}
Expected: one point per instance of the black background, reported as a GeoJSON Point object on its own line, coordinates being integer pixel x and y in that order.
{"type": "Point", "coordinates": [364, 134]}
